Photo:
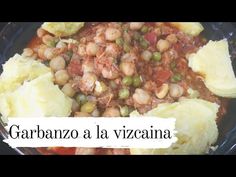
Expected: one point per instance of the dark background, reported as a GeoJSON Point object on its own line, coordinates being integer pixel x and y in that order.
{"type": "Point", "coordinates": [4, 148]}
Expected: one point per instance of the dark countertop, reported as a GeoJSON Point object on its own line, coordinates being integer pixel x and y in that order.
{"type": "Point", "coordinates": [4, 148]}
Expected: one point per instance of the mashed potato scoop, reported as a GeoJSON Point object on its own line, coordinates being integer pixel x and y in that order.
{"type": "Point", "coordinates": [195, 124]}
{"type": "Point", "coordinates": [213, 62]}
{"type": "Point", "coordinates": [191, 28]}
{"type": "Point", "coordinates": [62, 29]}
{"type": "Point", "coordinates": [27, 89]}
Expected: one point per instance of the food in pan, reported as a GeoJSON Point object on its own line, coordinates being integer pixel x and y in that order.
{"type": "Point", "coordinates": [125, 69]}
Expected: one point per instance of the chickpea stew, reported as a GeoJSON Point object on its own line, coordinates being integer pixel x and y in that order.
{"type": "Point", "coordinates": [111, 68]}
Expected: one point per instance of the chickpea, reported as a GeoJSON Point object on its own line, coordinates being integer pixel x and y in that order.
{"type": "Point", "coordinates": [146, 55]}
{"type": "Point", "coordinates": [112, 50]}
{"type": "Point", "coordinates": [176, 90]}
{"type": "Point", "coordinates": [88, 82]}
{"type": "Point", "coordinates": [68, 90]}
{"type": "Point", "coordinates": [111, 34]}
{"type": "Point", "coordinates": [41, 32]}
{"type": "Point", "coordinates": [57, 63]}
{"type": "Point", "coordinates": [75, 106]}
{"type": "Point", "coordinates": [99, 88]}
{"type": "Point", "coordinates": [61, 77]}
{"type": "Point", "coordinates": [41, 51]}
{"type": "Point", "coordinates": [99, 39]}
{"type": "Point", "coordinates": [129, 57]}
{"type": "Point", "coordinates": [136, 25]}
{"type": "Point", "coordinates": [127, 37]}
{"type": "Point", "coordinates": [91, 49]}
{"type": "Point", "coordinates": [172, 38]}
{"type": "Point", "coordinates": [111, 112]}
{"type": "Point", "coordinates": [87, 66]}
{"type": "Point", "coordinates": [81, 114]}
{"type": "Point", "coordinates": [128, 68]}
{"type": "Point", "coordinates": [162, 91]}
{"type": "Point", "coordinates": [82, 50]}
{"type": "Point", "coordinates": [61, 45]}
{"type": "Point", "coordinates": [157, 31]}
{"type": "Point", "coordinates": [110, 74]}
{"type": "Point", "coordinates": [141, 96]}
{"type": "Point", "coordinates": [27, 52]}
{"type": "Point", "coordinates": [95, 113]}
{"type": "Point", "coordinates": [48, 53]}
{"type": "Point", "coordinates": [163, 45]}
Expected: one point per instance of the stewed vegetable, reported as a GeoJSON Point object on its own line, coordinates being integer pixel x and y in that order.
{"type": "Point", "coordinates": [111, 68]}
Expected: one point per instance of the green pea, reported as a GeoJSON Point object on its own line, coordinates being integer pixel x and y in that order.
{"type": "Point", "coordinates": [126, 47]}
{"type": "Point", "coordinates": [144, 29]}
{"type": "Point", "coordinates": [126, 29]}
{"type": "Point", "coordinates": [88, 107]}
{"type": "Point", "coordinates": [53, 42]}
{"type": "Point", "coordinates": [119, 41]}
{"type": "Point", "coordinates": [100, 88]}
{"type": "Point", "coordinates": [124, 111]}
{"type": "Point", "coordinates": [176, 78]}
{"type": "Point", "coordinates": [144, 43]}
{"type": "Point", "coordinates": [113, 84]}
{"type": "Point", "coordinates": [137, 81]}
{"type": "Point", "coordinates": [127, 80]}
{"type": "Point", "coordinates": [173, 65]}
{"type": "Point", "coordinates": [137, 36]}
{"type": "Point", "coordinates": [123, 93]}
{"type": "Point", "coordinates": [81, 99]}
{"type": "Point", "coordinates": [156, 56]}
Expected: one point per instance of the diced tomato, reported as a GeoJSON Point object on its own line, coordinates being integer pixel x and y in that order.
{"type": "Point", "coordinates": [74, 68]}
{"type": "Point", "coordinates": [177, 47]}
{"type": "Point", "coordinates": [63, 150]}
{"type": "Point", "coordinates": [163, 75]}
{"type": "Point", "coordinates": [151, 37]}
{"type": "Point", "coordinates": [159, 83]}
{"type": "Point", "coordinates": [182, 65]}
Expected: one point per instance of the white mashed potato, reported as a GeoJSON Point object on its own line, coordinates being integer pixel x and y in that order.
{"type": "Point", "coordinates": [195, 124]}
{"type": "Point", "coordinates": [213, 62]}
{"type": "Point", "coordinates": [191, 28]}
{"type": "Point", "coordinates": [62, 29]}
{"type": "Point", "coordinates": [30, 91]}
